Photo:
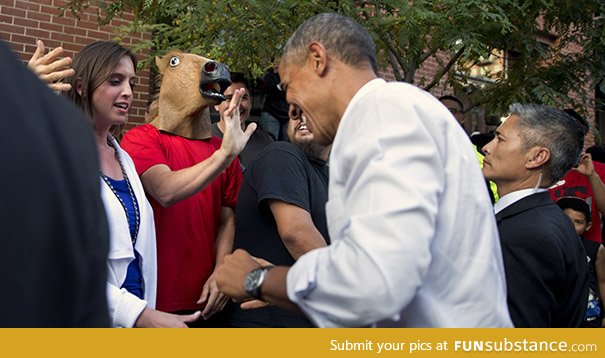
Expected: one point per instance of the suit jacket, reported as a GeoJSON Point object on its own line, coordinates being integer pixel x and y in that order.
{"type": "Point", "coordinates": [54, 237]}
{"type": "Point", "coordinates": [544, 262]}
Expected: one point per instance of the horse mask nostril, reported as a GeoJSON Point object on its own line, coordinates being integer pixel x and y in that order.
{"type": "Point", "coordinates": [210, 67]}
{"type": "Point", "coordinates": [214, 81]}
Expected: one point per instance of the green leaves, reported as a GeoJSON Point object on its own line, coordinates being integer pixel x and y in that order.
{"type": "Point", "coordinates": [548, 48]}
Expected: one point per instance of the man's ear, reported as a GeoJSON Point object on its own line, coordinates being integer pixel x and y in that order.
{"type": "Point", "coordinates": [538, 156]}
{"type": "Point", "coordinates": [318, 57]}
{"type": "Point", "coordinates": [588, 227]}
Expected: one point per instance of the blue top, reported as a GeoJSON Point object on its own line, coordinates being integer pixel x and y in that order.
{"type": "Point", "coordinates": [134, 277]}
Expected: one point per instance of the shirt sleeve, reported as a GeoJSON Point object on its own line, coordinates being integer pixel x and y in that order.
{"type": "Point", "coordinates": [233, 182]}
{"type": "Point", "coordinates": [381, 216]}
{"type": "Point", "coordinates": [144, 147]}
{"type": "Point", "coordinates": [124, 307]}
{"type": "Point", "coordinates": [280, 174]}
{"type": "Point", "coordinates": [600, 169]}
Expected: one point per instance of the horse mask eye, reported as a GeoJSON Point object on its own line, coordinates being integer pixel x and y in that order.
{"type": "Point", "coordinates": [174, 61]}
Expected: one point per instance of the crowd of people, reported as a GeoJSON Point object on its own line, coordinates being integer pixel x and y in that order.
{"type": "Point", "coordinates": [343, 209]}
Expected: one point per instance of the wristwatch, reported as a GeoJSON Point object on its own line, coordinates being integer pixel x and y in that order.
{"type": "Point", "coordinates": [254, 281]}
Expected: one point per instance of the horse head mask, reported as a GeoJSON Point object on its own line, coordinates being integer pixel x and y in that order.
{"type": "Point", "coordinates": [190, 84]}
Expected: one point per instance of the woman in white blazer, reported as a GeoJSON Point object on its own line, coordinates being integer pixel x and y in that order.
{"type": "Point", "coordinates": [102, 80]}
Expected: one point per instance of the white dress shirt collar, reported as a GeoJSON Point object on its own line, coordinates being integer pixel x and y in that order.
{"type": "Point", "coordinates": [511, 198]}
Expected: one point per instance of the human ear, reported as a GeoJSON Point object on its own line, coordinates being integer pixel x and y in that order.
{"type": "Point", "coordinates": [538, 157]}
{"type": "Point", "coordinates": [318, 57]}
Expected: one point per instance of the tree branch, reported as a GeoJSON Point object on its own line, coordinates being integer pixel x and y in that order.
{"type": "Point", "coordinates": [426, 55]}
{"type": "Point", "coordinates": [395, 67]}
{"type": "Point", "coordinates": [445, 69]}
{"type": "Point", "coordinates": [395, 56]}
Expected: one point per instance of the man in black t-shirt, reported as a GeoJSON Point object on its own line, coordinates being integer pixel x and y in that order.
{"type": "Point", "coordinates": [281, 212]}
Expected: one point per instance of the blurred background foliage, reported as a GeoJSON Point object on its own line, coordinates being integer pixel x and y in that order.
{"type": "Point", "coordinates": [551, 51]}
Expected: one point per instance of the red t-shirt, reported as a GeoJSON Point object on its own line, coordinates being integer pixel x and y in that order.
{"type": "Point", "coordinates": [576, 184]}
{"type": "Point", "coordinates": [186, 231]}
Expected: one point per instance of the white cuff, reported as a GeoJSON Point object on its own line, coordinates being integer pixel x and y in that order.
{"type": "Point", "coordinates": [128, 309]}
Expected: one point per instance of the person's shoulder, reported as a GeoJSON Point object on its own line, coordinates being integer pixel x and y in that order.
{"type": "Point", "coordinates": [396, 87]}
{"type": "Point", "coordinates": [539, 226]}
{"type": "Point", "coordinates": [554, 225]}
{"type": "Point", "coordinates": [531, 211]}
{"type": "Point", "coordinates": [143, 129]}
{"type": "Point", "coordinates": [277, 153]}
{"type": "Point", "coordinates": [281, 147]}
{"type": "Point", "coordinates": [261, 135]}
{"type": "Point", "coordinates": [141, 135]}
{"type": "Point", "coordinates": [394, 91]}
{"type": "Point", "coordinates": [286, 147]}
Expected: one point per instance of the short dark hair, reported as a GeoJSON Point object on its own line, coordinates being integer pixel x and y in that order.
{"type": "Point", "coordinates": [240, 78]}
{"type": "Point", "coordinates": [576, 204]}
{"type": "Point", "coordinates": [452, 98]}
{"type": "Point", "coordinates": [581, 120]}
{"type": "Point", "coordinates": [493, 120]}
{"type": "Point", "coordinates": [342, 37]}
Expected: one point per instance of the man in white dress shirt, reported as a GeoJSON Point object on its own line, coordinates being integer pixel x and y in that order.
{"type": "Point", "coordinates": [414, 242]}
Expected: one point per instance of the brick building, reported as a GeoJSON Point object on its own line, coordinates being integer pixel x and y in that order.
{"type": "Point", "coordinates": [23, 22]}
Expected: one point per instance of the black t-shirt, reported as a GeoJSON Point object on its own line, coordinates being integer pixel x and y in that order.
{"type": "Point", "coordinates": [54, 238]}
{"type": "Point", "coordinates": [257, 142]}
{"type": "Point", "coordinates": [281, 172]}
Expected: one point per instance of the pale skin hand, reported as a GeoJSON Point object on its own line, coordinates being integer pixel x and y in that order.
{"type": "Point", "coordinates": [151, 318]}
{"type": "Point", "coordinates": [215, 299]}
{"type": "Point", "coordinates": [169, 187]}
{"type": "Point", "coordinates": [51, 68]}
{"type": "Point", "coordinates": [587, 169]}
{"type": "Point", "coordinates": [234, 138]}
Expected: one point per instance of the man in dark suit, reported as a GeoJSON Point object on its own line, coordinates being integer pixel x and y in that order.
{"type": "Point", "coordinates": [544, 260]}
{"type": "Point", "coordinates": [53, 228]}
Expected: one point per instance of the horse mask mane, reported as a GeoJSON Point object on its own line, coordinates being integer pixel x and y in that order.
{"type": "Point", "coordinates": [190, 84]}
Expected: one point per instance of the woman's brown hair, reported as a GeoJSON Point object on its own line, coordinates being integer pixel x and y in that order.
{"type": "Point", "coordinates": [92, 66]}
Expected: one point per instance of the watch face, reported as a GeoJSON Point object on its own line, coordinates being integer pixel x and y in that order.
{"type": "Point", "coordinates": [251, 282]}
